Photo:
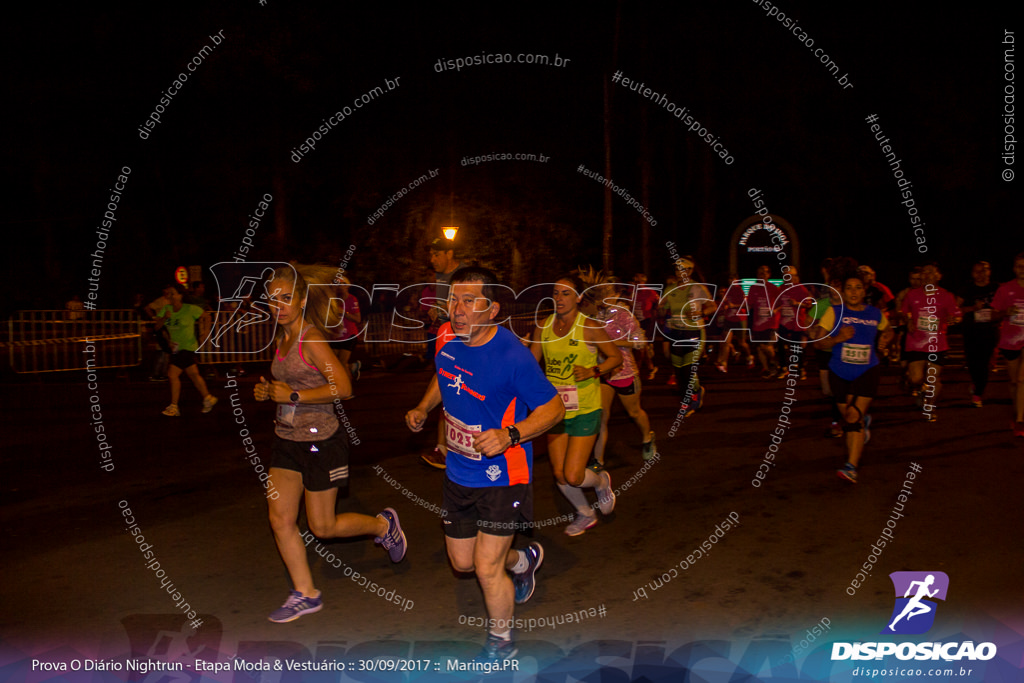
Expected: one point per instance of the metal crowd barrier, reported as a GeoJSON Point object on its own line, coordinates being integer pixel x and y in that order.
{"type": "Point", "coordinates": [60, 341]}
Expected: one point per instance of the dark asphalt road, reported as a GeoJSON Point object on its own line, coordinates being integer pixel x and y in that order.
{"type": "Point", "coordinates": [75, 581]}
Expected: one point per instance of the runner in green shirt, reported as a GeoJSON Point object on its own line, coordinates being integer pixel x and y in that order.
{"type": "Point", "coordinates": [180, 319]}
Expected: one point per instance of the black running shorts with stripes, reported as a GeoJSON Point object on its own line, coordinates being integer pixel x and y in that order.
{"type": "Point", "coordinates": [322, 464]}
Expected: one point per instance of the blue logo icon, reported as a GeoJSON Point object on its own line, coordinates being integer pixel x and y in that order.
{"type": "Point", "coordinates": [916, 592]}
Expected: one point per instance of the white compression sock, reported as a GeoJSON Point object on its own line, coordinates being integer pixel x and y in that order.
{"type": "Point", "coordinates": [576, 497]}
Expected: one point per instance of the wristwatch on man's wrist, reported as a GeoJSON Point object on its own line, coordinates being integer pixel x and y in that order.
{"type": "Point", "coordinates": [513, 434]}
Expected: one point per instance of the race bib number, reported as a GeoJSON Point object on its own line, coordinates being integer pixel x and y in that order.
{"type": "Point", "coordinates": [285, 414]}
{"type": "Point", "coordinates": [460, 435]}
{"type": "Point", "coordinates": [570, 397]}
{"type": "Point", "coordinates": [983, 315]}
{"type": "Point", "coordinates": [856, 354]}
{"type": "Point", "coordinates": [928, 323]}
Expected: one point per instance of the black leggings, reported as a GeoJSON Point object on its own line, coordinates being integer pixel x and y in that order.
{"type": "Point", "coordinates": [979, 342]}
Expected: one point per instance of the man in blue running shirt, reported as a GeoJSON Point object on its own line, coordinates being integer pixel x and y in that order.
{"type": "Point", "coordinates": [496, 399]}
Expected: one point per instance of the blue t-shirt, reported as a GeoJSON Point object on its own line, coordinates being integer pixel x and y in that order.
{"type": "Point", "coordinates": [488, 387]}
{"type": "Point", "coordinates": [855, 356]}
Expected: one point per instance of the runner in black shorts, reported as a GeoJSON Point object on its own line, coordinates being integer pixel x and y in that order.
{"type": "Point", "coordinates": [624, 381]}
{"type": "Point", "coordinates": [309, 459]}
{"type": "Point", "coordinates": [851, 330]}
{"type": "Point", "coordinates": [929, 311]}
{"type": "Point", "coordinates": [981, 332]}
{"type": "Point", "coordinates": [495, 400]}
{"type": "Point", "coordinates": [179, 319]}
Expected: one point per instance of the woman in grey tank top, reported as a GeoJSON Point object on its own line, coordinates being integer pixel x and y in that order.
{"type": "Point", "coordinates": [310, 454]}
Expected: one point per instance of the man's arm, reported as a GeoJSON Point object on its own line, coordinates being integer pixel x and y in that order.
{"type": "Point", "coordinates": [415, 418]}
{"type": "Point", "coordinates": [544, 417]}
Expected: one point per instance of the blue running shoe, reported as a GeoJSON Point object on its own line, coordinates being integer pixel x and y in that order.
{"type": "Point", "coordinates": [394, 540]}
{"type": "Point", "coordinates": [526, 581]}
{"type": "Point", "coordinates": [697, 403]}
{"type": "Point", "coordinates": [848, 472]}
{"type": "Point", "coordinates": [295, 606]}
{"type": "Point", "coordinates": [496, 649]}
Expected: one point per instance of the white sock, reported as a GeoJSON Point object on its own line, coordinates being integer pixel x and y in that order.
{"type": "Point", "coordinates": [576, 497]}
{"type": "Point", "coordinates": [522, 564]}
{"type": "Point", "coordinates": [592, 480]}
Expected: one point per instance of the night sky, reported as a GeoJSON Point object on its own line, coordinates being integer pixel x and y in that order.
{"type": "Point", "coordinates": [81, 82]}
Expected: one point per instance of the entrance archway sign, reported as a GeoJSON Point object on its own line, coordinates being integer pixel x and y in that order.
{"type": "Point", "coordinates": [756, 242]}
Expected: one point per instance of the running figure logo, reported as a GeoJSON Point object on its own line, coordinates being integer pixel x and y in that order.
{"type": "Point", "coordinates": [915, 614]}
{"type": "Point", "coordinates": [249, 304]}
{"type": "Point", "coordinates": [458, 385]}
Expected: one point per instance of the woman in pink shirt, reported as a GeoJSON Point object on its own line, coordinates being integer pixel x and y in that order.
{"type": "Point", "coordinates": [1008, 306]}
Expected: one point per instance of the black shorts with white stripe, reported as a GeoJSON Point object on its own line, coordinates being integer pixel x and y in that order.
{"type": "Point", "coordinates": [322, 464]}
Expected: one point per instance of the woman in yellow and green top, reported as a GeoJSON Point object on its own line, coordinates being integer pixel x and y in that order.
{"type": "Point", "coordinates": [568, 342]}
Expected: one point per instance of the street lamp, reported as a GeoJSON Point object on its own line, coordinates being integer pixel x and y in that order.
{"type": "Point", "coordinates": [449, 233]}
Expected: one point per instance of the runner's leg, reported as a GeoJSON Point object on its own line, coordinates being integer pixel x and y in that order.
{"type": "Point", "coordinates": [284, 515]}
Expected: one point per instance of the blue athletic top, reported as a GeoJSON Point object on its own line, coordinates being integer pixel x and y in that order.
{"type": "Point", "coordinates": [486, 387]}
{"type": "Point", "coordinates": [855, 356]}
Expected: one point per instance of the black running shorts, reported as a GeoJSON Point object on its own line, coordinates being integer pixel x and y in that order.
{"type": "Point", "coordinates": [183, 359]}
{"type": "Point", "coordinates": [866, 385]}
{"type": "Point", "coordinates": [322, 464]}
{"type": "Point", "coordinates": [494, 510]}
